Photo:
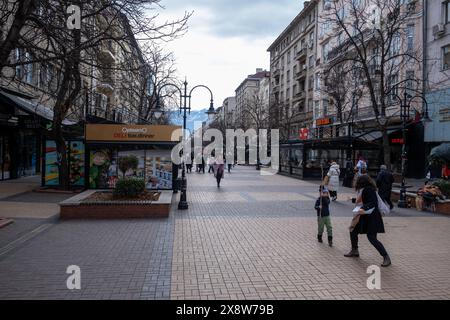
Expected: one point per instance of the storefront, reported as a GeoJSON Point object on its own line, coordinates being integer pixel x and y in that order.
{"type": "Point", "coordinates": [21, 132]}
{"type": "Point", "coordinates": [107, 145]}
{"type": "Point", "coordinates": [309, 159]}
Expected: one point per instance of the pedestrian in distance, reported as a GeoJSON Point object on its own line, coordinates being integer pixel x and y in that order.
{"type": "Point", "coordinates": [202, 168]}
{"type": "Point", "coordinates": [349, 174]}
{"type": "Point", "coordinates": [322, 207]}
{"type": "Point", "coordinates": [385, 179]}
{"type": "Point", "coordinates": [333, 180]}
{"type": "Point", "coordinates": [211, 161]}
{"type": "Point", "coordinates": [219, 169]}
{"type": "Point", "coordinates": [367, 219]}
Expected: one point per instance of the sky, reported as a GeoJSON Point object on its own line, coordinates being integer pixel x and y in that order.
{"type": "Point", "coordinates": [226, 41]}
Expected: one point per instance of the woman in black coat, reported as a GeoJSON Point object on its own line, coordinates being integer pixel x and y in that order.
{"type": "Point", "coordinates": [369, 224]}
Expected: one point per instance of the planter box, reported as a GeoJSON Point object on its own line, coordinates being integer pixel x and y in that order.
{"type": "Point", "coordinates": [78, 208]}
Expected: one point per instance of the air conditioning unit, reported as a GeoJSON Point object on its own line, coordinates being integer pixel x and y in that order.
{"type": "Point", "coordinates": [304, 67]}
{"type": "Point", "coordinates": [438, 30]}
{"type": "Point", "coordinates": [310, 44]}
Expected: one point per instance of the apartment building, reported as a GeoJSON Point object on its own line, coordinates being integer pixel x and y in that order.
{"type": "Point", "coordinates": [292, 68]}
{"type": "Point", "coordinates": [437, 71]}
{"type": "Point", "coordinates": [345, 121]}
{"type": "Point", "coordinates": [229, 112]}
{"type": "Point", "coordinates": [248, 98]}
{"type": "Point", "coordinates": [292, 63]}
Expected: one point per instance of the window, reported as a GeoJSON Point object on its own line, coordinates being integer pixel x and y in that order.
{"type": "Point", "coordinates": [24, 72]}
{"type": "Point", "coordinates": [410, 37]}
{"type": "Point", "coordinates": [310, 105]}
{"type": "Point", "coordinates": [392, 84]}
{"type": "Point", "coordinates": [311, 61]}
{"type": "Point", "coordinates": [325, 108]}
{"type": "Point", "coordinates": [317, 81]}
{"type": "Point", "coordinates": [410, 83]}
{"type": "Point", "coordinates": [395, 46]}
{"type": "Point", "coordinates": [446, 58]}
{"type": "Point", "coordinates": [288, 76]}
{"type": "Point", "coordinates": [447, 11]}
{"type": "Point", "coordinates": [317, 109]}
{"type": "Point", "coordinates": [288, 57]}
{"type": "Point", "coordinates": [325, 50]}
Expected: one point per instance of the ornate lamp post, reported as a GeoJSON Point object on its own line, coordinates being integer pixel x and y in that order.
{"type": "Point", "coordinates": [185, 107]}
{"type": "Point", "coordinates": [405, 105]}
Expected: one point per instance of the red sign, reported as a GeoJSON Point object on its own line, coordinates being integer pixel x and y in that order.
{"type": "Point", "coordinates": [304, 132]}
{"type": "Point", "coordinates": [397, 141]}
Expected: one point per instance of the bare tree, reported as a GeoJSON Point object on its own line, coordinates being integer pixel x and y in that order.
{"type": "Point", "coordinates": [376, 40]}
{"type": "Point", "coordinates": [76, 52]}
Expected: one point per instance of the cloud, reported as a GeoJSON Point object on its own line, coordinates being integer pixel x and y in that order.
{"type": "Point", "coordinates": [239, 18]}
{"type": "Point", "coordinates": [227, 40]}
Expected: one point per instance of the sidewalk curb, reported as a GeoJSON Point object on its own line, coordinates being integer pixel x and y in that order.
{"type": "Point", "coordinates": [5, 222]}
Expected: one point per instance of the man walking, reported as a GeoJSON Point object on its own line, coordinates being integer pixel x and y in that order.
{"type": "Point", "coordinates": [385, 179]}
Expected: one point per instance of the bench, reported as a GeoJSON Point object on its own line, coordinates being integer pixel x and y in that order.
{"type": "Point", "coordinates": [442, 206]}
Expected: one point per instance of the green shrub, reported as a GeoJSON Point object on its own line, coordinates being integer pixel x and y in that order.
{"type": "Point", "coordinates": [444, 186]}
{"type": "Point", "coordinates": [129, 188]}
{"type": "Point", "coordinates": [128, 162]}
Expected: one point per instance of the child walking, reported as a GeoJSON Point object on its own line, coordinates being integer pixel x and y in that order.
{"type": "Point", "coordinates": [323, 215]}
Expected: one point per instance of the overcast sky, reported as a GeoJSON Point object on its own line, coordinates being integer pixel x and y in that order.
{"type": "Point", "coordinates": [227, 40]}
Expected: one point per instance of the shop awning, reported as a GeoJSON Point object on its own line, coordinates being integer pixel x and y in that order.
{"type": "Point", "coordinates": [31, 107]}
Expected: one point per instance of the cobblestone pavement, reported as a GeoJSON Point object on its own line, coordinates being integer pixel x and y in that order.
{"type": "Point", "coordinates": [254, 238]}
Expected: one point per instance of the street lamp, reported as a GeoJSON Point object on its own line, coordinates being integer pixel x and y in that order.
{"type": "Point", "coordinates": [405, 105]}
{"type": "Point", "coordinates": [185, 108]}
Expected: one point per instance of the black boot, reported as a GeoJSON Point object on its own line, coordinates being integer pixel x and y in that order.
{"type": "Point", "coordinates": [330, 241]}
{"type": "Point", "coordinates": [386, 261]}
{"type": "Point", "coordinates": [319, 238]}
{"type": "Point", "coordinates": [352, 254]}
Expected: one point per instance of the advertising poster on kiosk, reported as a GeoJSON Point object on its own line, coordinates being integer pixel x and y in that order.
{"type": "Point", "coordinates": [51, 177]}
{"type": "Point", "coordinates": [158, 171]}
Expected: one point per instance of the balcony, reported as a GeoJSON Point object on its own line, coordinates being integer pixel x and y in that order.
{"type": "Point", "coordinates": [364, 113]}
{"type": "Point", "coordinates": [301, 74]}
{"type": "Point", "coordinates": [301, 54]}
{"type": "Point", "coordinates": [277, 73]}
{"type": "Point", "coordinates": [299, 96]}
{"type": "Point", "coordinates": [107, 53]}
{"type": "Point", "coordinates": [106, 84]}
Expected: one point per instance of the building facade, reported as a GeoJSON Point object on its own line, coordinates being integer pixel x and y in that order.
{"type": "Point", "coordinates": [437, 71]}
{"type": "Point", "coordinates": [112, 90]}
{"type": "Point", "coordinates": [336, 117]}
{"type": "Point", "coordinates": [248, 100]}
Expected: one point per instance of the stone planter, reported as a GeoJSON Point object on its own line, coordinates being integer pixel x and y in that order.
{"type": "Point", "coordinates": [78, 208]}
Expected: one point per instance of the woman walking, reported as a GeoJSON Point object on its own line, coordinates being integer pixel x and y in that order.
{"type": "Point", "coordinates": [219, 170]}
{"type": "Point", "coordinates": [368, 220]}
{"type": "Point", "coordinates": [333, 174]}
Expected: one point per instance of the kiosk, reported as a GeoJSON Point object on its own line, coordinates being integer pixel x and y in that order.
{"type": "Point", "coordinates": [106, 144]}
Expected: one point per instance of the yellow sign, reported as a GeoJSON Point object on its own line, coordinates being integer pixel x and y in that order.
{"type": "Point", "coordinates": [129, 133]}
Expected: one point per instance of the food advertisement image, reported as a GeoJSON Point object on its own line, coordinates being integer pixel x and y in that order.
{"type": "Point", "coordinates": [158, 172]}
{"type": "Point", "coordinates": [51, 164]}
{"type": "Point", "coordinates": [76, 160]}
{"type": "Point", "coordinates": [99, 170]}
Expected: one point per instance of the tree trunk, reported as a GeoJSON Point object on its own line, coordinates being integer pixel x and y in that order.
{"type": "Point", "coordinates": [26, 7]}
{"type": "Point", "coordinates": [386, 148]}
{"type": "Point", "coordinates": [64, 178]}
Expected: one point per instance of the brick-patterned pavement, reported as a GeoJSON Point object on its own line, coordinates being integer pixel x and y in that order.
{"type": "Point", "coordinates": [255, 238]}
